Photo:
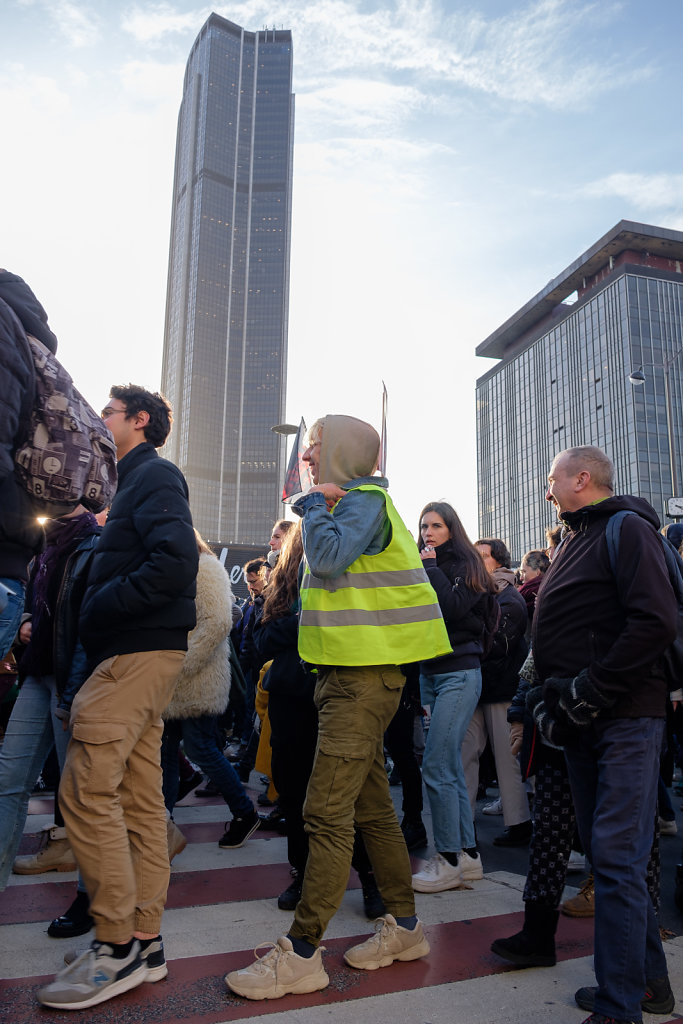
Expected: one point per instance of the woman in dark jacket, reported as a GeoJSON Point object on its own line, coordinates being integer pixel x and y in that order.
{"type": "Point", "coordinates": [451, 685]}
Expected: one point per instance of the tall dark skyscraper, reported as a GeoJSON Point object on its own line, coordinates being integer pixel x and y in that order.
{"type": "Point", "coordinates": [564, 380]}
{"type": "Point", "coordinates": [225, 342]}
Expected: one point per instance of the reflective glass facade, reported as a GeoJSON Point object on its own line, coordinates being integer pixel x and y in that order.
{"type": "Point", "coordinates": [225, 344]}
{"type": "Point", "coordinates": [571, 387]}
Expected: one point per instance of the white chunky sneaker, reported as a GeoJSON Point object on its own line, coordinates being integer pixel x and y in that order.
{"type": "Point", "coordinates": [95, 976]}
{"type": "Point", "coordinates": [280, 972]}
{"type": "Point", "coordinates": [438, 875]}
{"type": "Point", "coordinates": [152, 956]}
{"type": "Point", "coordinates": [390, 942]}
{"type": "Point", "coordinates": [495, 807]}
{"type": "Point", "coordinates": [471, 868]}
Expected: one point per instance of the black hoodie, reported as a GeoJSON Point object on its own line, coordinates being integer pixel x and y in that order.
{"type": "Point", "coordinates": [615, 626]}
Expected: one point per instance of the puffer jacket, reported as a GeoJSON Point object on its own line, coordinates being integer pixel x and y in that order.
{"type": "Point", "coordinates": [141, 590]}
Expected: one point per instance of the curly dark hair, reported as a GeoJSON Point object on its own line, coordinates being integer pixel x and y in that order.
{"type": "Point", "coordinates": [158, 408]}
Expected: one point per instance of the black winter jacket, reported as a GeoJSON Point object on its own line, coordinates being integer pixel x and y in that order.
{"type": "Point", "coordinates": [614, 626]}
{"type": "Point", "coordinates": [20, 535]}
{"type": "Point", "coordinates": [69, 661]}
{"type": "Point", "coordinates": [142, 584]}
{"type": "Point", "coordinates": [500, 668]}
{"type": "Point", "coordinates": [277, 640]}
{"type": "Point", "coordinates": [464, 612]}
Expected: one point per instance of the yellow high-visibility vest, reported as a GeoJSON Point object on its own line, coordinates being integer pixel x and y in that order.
{"type": "Point", "coordinates": [381, 611]}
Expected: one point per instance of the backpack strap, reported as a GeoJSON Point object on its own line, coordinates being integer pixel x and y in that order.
{"type": "Point", "coordinates": [612, 534]}
{"type": "Point", "coordinates": [674, 562]}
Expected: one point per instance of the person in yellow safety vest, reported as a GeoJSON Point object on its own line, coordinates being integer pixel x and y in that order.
{"type": "Point", "coordinates": [366, 608]}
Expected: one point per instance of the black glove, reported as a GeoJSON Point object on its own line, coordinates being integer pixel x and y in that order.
{"type": "Point", "coordinates": [549, 728]}
{"type": "Point", "coordinates": [579, 698]}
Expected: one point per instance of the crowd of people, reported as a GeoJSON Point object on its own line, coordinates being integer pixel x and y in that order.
{"type": "Point", "coordinates": [138, 665]}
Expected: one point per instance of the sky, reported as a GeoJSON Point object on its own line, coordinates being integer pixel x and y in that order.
{"type": "Point", "coordinates": [450, 158]}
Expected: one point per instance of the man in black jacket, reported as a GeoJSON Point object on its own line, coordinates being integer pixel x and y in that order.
{"type": "Point", "coordinates": [21, 536]}
{"type": "Point", "coordinates": [135, 617]}
{"type": "Point", "coordinates": [597, 638]}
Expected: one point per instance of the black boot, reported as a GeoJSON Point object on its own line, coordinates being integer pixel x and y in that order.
{"type": "Point", "coordinates": [372, 900]}
{"type": "Point", "coordinates": [534, 946]}
{"type": "Point", "coordinates": [288, 899]}
{"type": "Point", "coordinates": [74, 921]}
{"type": "Point", "coordinates": [678, 891]}
{"type": "Point", "coordinates": [414, 834]}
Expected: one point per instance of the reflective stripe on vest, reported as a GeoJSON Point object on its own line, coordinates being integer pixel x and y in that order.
{"type": "Point", "coordinates": [381, 611]}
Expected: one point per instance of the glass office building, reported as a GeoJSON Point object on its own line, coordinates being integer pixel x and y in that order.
{"type": "Point", "coordinates": [563, 380]}
{"type": "Point", "coordinates": [225, 342]}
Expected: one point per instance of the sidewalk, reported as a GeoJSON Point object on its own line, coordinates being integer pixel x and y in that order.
{"type": "Point", "coordinates": [222, 904]}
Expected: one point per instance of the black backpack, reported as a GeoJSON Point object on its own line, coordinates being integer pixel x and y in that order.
{"type": "Point", "coordinates": [672, 658]}
{"type": "Point", "coordinates": [65, 455]}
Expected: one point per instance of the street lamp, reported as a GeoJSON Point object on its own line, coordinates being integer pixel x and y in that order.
{"type": "Point", "coordinates": [638, 378]}
{"type": "Point", "coordinates": [285, 430]}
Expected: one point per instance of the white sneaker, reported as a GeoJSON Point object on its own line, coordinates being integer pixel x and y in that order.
{"type": "Point", "coordinates": [576, 863]}
{"type": "Point", "coordinates": [471, 868]}
{"type": "Point", "coordinates": [666, 828]}
{"type": "Point", "coordinates": [495, 807]}
{"type": "Point", "coordinates": [438, 875]}
{"type": "Point", "coordinates": [390, 942]}
{"type": "Point", "coordinates": [279, 972]}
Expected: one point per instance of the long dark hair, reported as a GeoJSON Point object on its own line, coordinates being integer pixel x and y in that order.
{"type": "Point", "coordinates": [283, 586]}
{"type": "Point", "coordinates": [477, 576]}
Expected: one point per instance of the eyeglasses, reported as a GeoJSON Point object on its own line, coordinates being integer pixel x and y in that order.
{"type": "Point", "coordinates": [108, 411]}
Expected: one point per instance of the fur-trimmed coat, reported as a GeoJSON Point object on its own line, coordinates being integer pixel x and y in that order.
{"type": "Point", "coordinates": [203, 685]}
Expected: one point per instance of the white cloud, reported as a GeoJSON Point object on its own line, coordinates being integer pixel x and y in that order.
{"type": "Point", "coordinates": [366, 104]}
{"type": "Point", "coordinates": [535, 55]}
{"type": "Point", "coordinates": [648, 191]}
{"type": "Point", "coordinates": [388, 169]}
{"type": "Point", "coordinates": [153, 22]}
{"type": "Point", "coordinates": [26, 96]}
{"type": "Point", "coordinates": [75, 22]}
{"type": "Point", "coordinates": [152, 81]}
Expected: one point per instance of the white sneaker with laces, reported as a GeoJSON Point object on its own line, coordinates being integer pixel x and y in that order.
{"type": "Point", "coordinates": [471, 868]}
{"type": "Point", "coordinates": [93, 977]}
{"type": "Point", "coordinates": [438, 875]}
{"type": "Point", "coordinates": [390, 942]}
{"type": "Point", "coordinates": [667, 828]}
{"type": "Point", "coordinates": [279, 972]}
{"type": "Point", "coordinates": [495, 807]}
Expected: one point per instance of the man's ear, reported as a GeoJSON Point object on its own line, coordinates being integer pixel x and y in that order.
{"type": "Point", "coordinates": [141, 419]}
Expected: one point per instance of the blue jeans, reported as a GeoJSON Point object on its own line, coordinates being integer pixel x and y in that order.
{"type": "Point", "coordinates": [613, 771]}
{"type": "Point", "coordinates": [453, 697]}
{"type": "Point", "coordinates": [31, 731]}
{"type": "Point", "coordinates": [200, 739]}
{"type": "Point", "coordinates": [10, 616]}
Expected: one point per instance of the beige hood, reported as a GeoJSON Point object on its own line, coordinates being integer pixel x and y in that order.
{"type": "Point", "coordinates": [350, 449]}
